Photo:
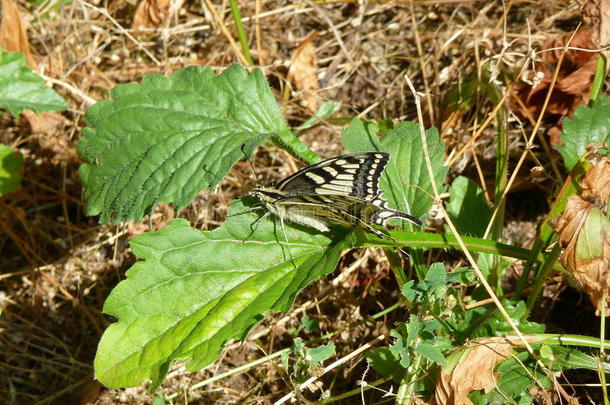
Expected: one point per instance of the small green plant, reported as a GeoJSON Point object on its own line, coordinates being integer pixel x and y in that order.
{"type": "Point", "coordinates": [10, 165]}
{"type": "Point", "coordinates": [20, 88]}
{"type": "Point", "coordinates": [191, 292]}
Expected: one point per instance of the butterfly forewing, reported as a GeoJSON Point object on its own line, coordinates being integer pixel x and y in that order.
{"type": "Point", "coordinates": [355, 175]}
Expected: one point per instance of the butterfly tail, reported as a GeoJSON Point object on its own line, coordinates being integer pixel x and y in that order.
{"type": "Point", "coordinates": [387, 213]}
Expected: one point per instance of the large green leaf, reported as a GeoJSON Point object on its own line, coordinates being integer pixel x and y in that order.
{"type": "Point", "coordinates": [195, 290]}
{"type": "Point", "coordinates": [405, 181]}
{"type": "Point", "coordinates": [171, 137]}
{"type": "Point", "coordinates": [10, 165]}
{"type": "Point", "coordinates": [467, 207]}
{"type": "Point", "coordinates": [590, 126]}
{"type": "Point", "coordinates": [21, 88]}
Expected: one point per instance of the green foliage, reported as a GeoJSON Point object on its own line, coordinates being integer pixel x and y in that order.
{"type": "Point", "coordinates": [384, 361]}
{"type": "Point", "coordinates": [10, 165]}
{"type": "Point", "coordinates": [194, 290]}
{"type": "Point", "coordinates": [421, 337]}
{"type": "Point", "coordinates": [405, 182]}
{"type": "Point", "coordinates": [317, 355]}
{"type": "Point", "coordinates": [467, 207]}
{"type": "Point", "coordinates": [309, 324]}
{"type": "Point", "coordinates": [171, 137]}
{"type": "Point", "coordinates": [21, 88]}
{"type": "Point", "coordinates": [191, 291]}
{"type": "Point", "coordinates": [305, 359]}
{"type": "Point", "coordinates": [464, 95]}
{"type": "Point", "coordinates": [485, 322]}
{"type": "Point", "coordinates": [519, 374]}
{"type": "Point", "coordinates": [326, 110]}
{"type": "Point", "coordinates": [590, 126]}
{"type": "Point", "coordinates": [430, 294]}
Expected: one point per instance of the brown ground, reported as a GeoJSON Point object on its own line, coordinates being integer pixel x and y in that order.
{"type": "Point", "coordinates": [58, 266]}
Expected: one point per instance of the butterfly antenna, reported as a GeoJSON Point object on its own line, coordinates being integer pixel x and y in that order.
{"type": "Point", "coordinates": [243, 145]}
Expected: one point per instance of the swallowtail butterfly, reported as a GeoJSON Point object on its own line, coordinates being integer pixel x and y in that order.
{"type": "Point", "coordinates": [343, 190]}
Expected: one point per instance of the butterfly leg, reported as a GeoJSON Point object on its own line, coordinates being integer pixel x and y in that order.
{"type": "Point", "coordinates": [257, 207]}
{"type": "Point", "coordinates": [254, 225]}
{"type": "Point", "coordinates": [287, 243]}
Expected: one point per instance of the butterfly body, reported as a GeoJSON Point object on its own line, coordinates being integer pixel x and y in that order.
{"type": "Point", "coordinates": [340, 191]}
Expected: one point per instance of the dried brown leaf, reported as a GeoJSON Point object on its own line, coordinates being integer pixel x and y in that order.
{"type": "Point", "coordinates": [45, 122]}
{"type": "Point", "coordinates": [474, 371]}
{"type": "Point", "coordinates": [154, 13]}
{"type": "Point", "coordinates": [584, 233]}
{"type": "Point", "coordinates": [13, 34]}
{"type": "Point", "coordinates": [573, 82]}
{"type": "Point", "coordinates": [303, 72]}
{"type": "Point", "coordinates": [596, 13]}
{"type": "Point", "coordinates": [596, 184]}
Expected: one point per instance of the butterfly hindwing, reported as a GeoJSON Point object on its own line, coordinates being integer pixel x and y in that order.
{"type": "Point", "coordinates": [355, 175]}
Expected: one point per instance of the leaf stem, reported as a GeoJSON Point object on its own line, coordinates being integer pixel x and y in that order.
{"type": "Point", "coordinates": [599, 78]}
{"type": "Point", "coordinates": [602, 334]}
{"type": "Point", "coordinates": [288, 140]}
{"type": "Point", "coordinates": [500, 185]}
{"type": "Point", "coordinates": [542, 277]}
{"type": "Point", "coordinates": [241, 32]}
{"type": "Point", "coordinates": [430, 240]}
{"type": "Point", "coordinates": [396, 266]}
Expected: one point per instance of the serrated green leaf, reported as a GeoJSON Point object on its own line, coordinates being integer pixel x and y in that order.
{"type": "Point", "coordinates": [436, 276]}
{"type": "Point", "coordinates": [398, 349]}
{"type": "Point", "coordinates": [361, 136]}
{"type": "Point", "coordinates": [565, 358]}
{"type": "Point", "coordinates": [462, 275]}
{"type": "Point", "coordinates": [317, 355]}
{"type": "Point", "coordinates": [171, 137]}
{"type": "Point", "coordinates": [467, 207]}
{"type": "Point", "coordinates": [309, 324]}
{"type": "Point", "coordinates": [405, 181]}
{"type": "Point", "coordinates": [382, 361]}
{"type": "Point", "coordinates": [21, 88]}
{"type": "Point", "coordinates": [496, 325]}
{"type": "Point", "coordinates": [590, 126]}
{"type": "Point", "coordinates": [192, 291]}
{"type": "Point", "coordinates": [412, 330]}
{"type": "Point", "coordinates": [409, 291]}
{"type": "Point", "coordinates": [10, 166]}
{"type": "Point", "coordinates": [431, 353]}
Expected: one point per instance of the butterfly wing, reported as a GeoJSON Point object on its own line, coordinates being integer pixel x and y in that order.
{"type": "Point", "coordinates": [355, 174]}
{"type": "Point", "coordinates": [321, 212]}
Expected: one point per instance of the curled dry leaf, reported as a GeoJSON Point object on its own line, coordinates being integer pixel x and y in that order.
{"type": "Point", "coordinates": [596, 183]}
{"type": "Point", "coordinates": [596, 13]}
{"type": "Point", "coordinates": [573, 82]}
{"type": "Point", "coordinates": [13, 35]}
{"type": "Point", "coordinates": [154, 13]}
{"type": "Point", "coordinates": [584, 233]}
{"type": "Point", "coordinates": [474, 369]}
{"type": "Point", "coordinates": [303, 72]}
{"type": "Point", "coordinates": [44, 123]}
